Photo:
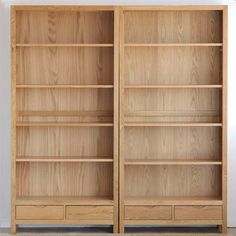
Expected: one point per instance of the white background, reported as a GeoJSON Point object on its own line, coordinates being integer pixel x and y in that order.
{"type": "Point", "coordinates": [5, 101]}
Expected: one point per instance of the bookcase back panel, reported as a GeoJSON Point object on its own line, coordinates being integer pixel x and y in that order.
{"type": "Point", "coordinates": [172, 65]}
{"type": "Point", "coordinates": [75, 104]}
{"type": "Point", "coordinates": [64, 27]}
{"type": "Point", "coordinates": [166, 105]}
{"type": "Point", "coordinates": [64, 179]}
{"type": "Point", "coordinates": [173, 27]}
{"type": "Point", "coordinates": [64, 65]}
{"type": "Point", "coordinates": [170, 181]}
{"type": "Point", "coordinates": [176, 143]}
{"type": "Point", "coordinates": [64, 141]}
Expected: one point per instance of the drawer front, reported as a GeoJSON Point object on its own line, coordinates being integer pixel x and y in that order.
{"type": "Point", "coordinates": [89, 212]}
{"type": "Point", "coordinates": [198, 212]}
{"type": "Point", "coordinates": [148, 213]}
{"type": "Point", "coordinates": [39, 212]}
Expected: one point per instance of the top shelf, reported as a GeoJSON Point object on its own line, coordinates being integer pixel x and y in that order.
{"type": "Point", "coordinates": [64, 45]}
{"type": "Point", "coordinates": [173, 44]}
{"type": "Point", "coordinates": [174, 86]}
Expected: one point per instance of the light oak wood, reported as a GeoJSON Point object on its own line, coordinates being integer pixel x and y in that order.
{"type": "Point", "coordinates": [148, 212]}
{"type": "Point", "coordinates": [198, 212]}
{"type": "Point", "coordinates": [171, 162]}
{"type": "Point", "coordinates": [61, 124]}
{"type": "Point", "coordinates": [184, 200]}
{"type": "Point", "coordinates": [114, 108]}
{"type": "Point", "coordinates": [89, 212]}
{"type": "Point", "coordinates": [13, 120]}
{"type": "Point", "coordinates": [173, 113]}
{"type": "Point", "coordinates": [64, 45]}
{"type": "Point", "coordinates": [179, 66]}
{"type": "Point", "coordinates": [49, 27]}
{"type": "Point", "coordinates": [173, 44]}
{"type": "Point", "coordinates": [62, 159]}
{"type": "Point", "coordinates": [39, 212]}
{"type": "Point", "coordinates": [224, 118]}
{"type": "Point", "coordinates": [65, 200]}
{"type": "Point", "coordinates": [173, 26]}
{"type": "Point", "coordinates": [180, 223]}
{"type": "Point", "coordinates": [65, 114]}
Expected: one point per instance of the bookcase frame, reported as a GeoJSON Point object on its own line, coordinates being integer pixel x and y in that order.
{"type": "Point", "coordinates": [150, 181]}
{"type": "Point", "coordinates": [65, 207]}
{"type": "Point", "coordinates": [170, 208]}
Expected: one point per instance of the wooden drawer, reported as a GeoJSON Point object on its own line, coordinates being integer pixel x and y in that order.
{"type": "Point", "coordinates": [148, 212]}
{"type": "Point", "coordinates": [39, 212]}
{"type": "Point", "coordinates": [198, 212]}
{"type": "Point", "coordinates": [89, 212]}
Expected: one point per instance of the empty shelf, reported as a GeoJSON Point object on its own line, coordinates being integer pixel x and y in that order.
{"type": "Point", "coordinates": [173, 44]}
{"type": "Point", "coordinates": [193, 86]}
{"type": "Point", "coordinates": [65, 45]}
{"type": "Point", "coordinates": [171, 162]}
{"type": "Point", "coordinates": [135, 124]}
{"type": "Point", "coordinates": [62, 86]}
{"type": "Point", "coordinates": [54, 200]}
{"type": "Point", "coordinates": [173, 201]}
{"type": "Point", "coordinates": [63, 159]}
{"type": "Point", "coordinates": [62, 124]}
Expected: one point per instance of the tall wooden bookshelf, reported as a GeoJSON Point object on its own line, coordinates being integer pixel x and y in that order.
{"type": "Point", "coordinates": [65, 115]}
{"type": "Point", "coordinates": [139, 88]}
{"type": "Point", "coordinates": [173, 71]}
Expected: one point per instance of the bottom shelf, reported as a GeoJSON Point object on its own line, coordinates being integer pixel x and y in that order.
{"type": "Point", "coordinates": [43, 200]}
{"type": "Point", "coordinates": [129, 201]}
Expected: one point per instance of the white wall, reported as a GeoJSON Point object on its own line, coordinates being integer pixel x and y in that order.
{"type": "Point", "coordinates": [5, 93]}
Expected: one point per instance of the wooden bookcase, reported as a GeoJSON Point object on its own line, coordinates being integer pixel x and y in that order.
{"type": "Point", "coordinates": [119, 115]}
{"type": "Point", "coordinates": [173, 115]}
{"type": "Point", "coordinates": [65, 115]}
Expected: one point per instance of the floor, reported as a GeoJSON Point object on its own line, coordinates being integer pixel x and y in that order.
{"type": "Point", "coordinates": [107, 231]}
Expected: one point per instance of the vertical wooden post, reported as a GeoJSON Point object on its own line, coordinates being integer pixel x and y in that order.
{"type": "Point", "coordinates": [116, 120]}
{"type": "Point", "coordinates": [224, 119]}
{"type": "Point", "coordinates": [13, 121]}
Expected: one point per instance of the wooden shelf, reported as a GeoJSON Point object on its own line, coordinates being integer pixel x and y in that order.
{"type": "Point", "coordinates": [62, 124]}
{"type": "Point", "coordinates": [64, 45]}
{"type": "Point", "coordinates": [173, 44]}
{"type": "Point", "coordinates": [63, 86]}
{"type": "Point", "coordinates": [173, 201]}
{"type": "Point", "coordinates": [63, 159]}
{"type": "Point", "coordinates": [64, 113]}
{"type": "Point", "coordinates": [171, 113]}
{"type": "Point", "coordinates": [54, 200]}
{"type": "Point", "coordinates": [203, 86]}
{"type": "Point", "coordinates": [171, 162]}
{"type": "Point", "coordinates": [174, 124]}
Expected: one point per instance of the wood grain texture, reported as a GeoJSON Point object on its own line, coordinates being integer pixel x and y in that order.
{"type": "Point", "coordinates": [148, 212]}
{"type": "Point", "coordinates": [13, 119]}
{"type": "Point", "coordinates": [198, 212]}
{"type": "Point", "coordinates": [194, 181]}
{"type": "Point", "coordinates": [224, 117]}
{"type": "Point", "coordinates": [173, 27]}
{"type": "Point", "coordinates": [89, 212]}
{"type": "Point", "coordinates": [66, 100]}
{"type": "Point", "coordinates": [64, 141]}
{"type": "Point", "coordinates": [65, 27]}
{"type": "Point", "coordinates": [55, 66]}
{"type": "Point", "coordinates": [66, 95]}
{"type": "Point", "coordinates": [179, 66]}
{"type": "Point", "coordinates": [51, 179]}
{"type": "Point", "coordinates": [39, 212]}
{"type": "Point", "coordinates": [179, 201]}
{"type": "Point", "coordinates": [173, 143]}
{"type": "Point", "coordinates": [173, 105]}
{"type": "Point", "coordinates": [65, 200]}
